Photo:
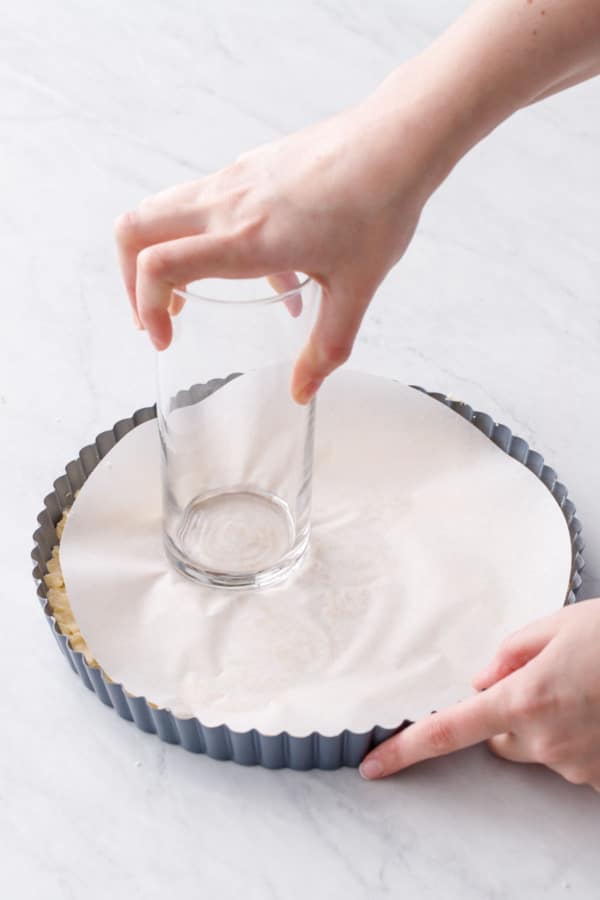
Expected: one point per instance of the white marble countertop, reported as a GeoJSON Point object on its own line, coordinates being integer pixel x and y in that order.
{"type": "Point", "coordinates": [496, 302]}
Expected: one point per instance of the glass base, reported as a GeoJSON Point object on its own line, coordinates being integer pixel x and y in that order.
{"type": "Point", "coordinates": [237, 538]}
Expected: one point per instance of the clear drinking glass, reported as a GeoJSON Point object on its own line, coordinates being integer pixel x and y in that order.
{"type": "Point", "coordinates": [237, 451]}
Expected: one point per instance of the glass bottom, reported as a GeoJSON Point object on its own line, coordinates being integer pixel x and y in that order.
{"type": "Point", "coordinates": [237, 538]}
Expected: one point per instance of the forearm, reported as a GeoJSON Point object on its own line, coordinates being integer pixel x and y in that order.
{"type": "Point", "coordinates": [498, 57]}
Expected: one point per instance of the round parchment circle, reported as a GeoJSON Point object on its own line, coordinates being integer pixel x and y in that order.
{"type": "Point", "coordinates": [429, 545]}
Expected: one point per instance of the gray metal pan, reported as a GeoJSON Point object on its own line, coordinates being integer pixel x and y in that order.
{"type": "Point", "coordinates": [252, 748]}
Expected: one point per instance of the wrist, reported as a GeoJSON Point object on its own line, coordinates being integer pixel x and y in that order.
{"type": "Point", "coordinates": [409, 146]}
{"type": "Point", "coordinates": [437, 115]}
{"type": "Point", "coordinates": [414, 138]}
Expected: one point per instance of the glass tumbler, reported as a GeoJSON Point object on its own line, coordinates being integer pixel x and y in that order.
{"type": "Point", "coordinates": [237, 451]}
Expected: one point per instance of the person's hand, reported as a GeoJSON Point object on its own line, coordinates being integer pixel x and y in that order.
{"type": "Point", "coordinates": [539, 702]}
{"type": "Point", "coordinates": [338, 201]}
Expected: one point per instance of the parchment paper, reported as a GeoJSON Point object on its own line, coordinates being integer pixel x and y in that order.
{"type": "Point", "coordinates": [429, 545]}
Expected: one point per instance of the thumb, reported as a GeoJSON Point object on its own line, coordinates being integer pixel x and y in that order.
{"type": "Point", "coordinates": [331, 340]}
{"type": "Point", "coordinates": [516, 651]}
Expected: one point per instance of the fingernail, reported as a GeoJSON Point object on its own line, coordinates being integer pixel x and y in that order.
{"type": "Point", "coordinates": [137, 322]}
{"type": "Point", "coordinates": [371, 768]}
{"type": "Point", "coordinates": [308, 390]}
{"type": "Point", "coordinates": [157, 343]}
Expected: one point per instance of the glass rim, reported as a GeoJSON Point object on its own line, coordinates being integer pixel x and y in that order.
{"type": "Point", "coordinates": [273, 298]}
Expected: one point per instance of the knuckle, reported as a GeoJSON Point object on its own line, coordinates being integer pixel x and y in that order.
{"type": "Point", "coordinates": [246, 157]}
{"type": "Point", "coordinates": [237, 166]}
{"type": "Point", "coordinates": [244, 234]}
{"type": "Point", "coordinates": [337, 352]}
{"type": "Point", "coordinates": [242, 242]}
{"type": "Point", "coordinates": [511, 653]}
{"type": "Point", "coordinates": [507, 645]}
{"type": "Point", "coordinates": [126, 226]}
{"type": "Point", "coordinates": [529, 701]}
{"type": "Point", "coordinates": [252, 233]}
{"type": "Point", "coordinates": [547, 752]}
{"type": "Point", "coordinates": [253, 228]}
{"type": "Point", "coordinates": [229, 246]}
{"type": "Point", "coordinates": [225, 207]}
{"type": "Point", "coordinates": [228, 179]}
{"type": "Point", "coordinates": [440, 735]}
{"type": "Point", "coordinates": [154, 262]}
{"type": "Point", "coordinates": [575, 774]}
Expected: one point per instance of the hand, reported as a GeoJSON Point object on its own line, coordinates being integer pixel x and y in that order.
{"type": "Point", "coordinates": [339, 201]}
{"type": "Point", "coordinates": [540, 703]}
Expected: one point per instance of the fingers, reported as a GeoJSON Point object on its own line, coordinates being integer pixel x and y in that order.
{"type": "Point", "coordinates": [162, 267]}
{"type": "Point", "coordinates": [162, 218]}
{"type": "Point", "coordinates": [286, 281]}
{"type": "Point", "coordinates": [281, 282]}
{"type": "Point", "coordinates": [177, 303]}
{"type": "Point", "coordinates": [517, 650]}
{"type": "Point", "coordinates": [331, 341]}
{"type": "Point", "coordinates": [476, 719]}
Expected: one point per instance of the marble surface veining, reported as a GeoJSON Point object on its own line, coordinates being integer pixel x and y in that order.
{"type": "Point", "coordinates": [495, 302]}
